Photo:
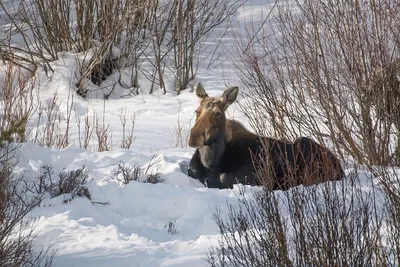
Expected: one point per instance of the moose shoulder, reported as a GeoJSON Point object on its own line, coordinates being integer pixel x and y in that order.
{"type": "Point", "coordinates": [226, 153]}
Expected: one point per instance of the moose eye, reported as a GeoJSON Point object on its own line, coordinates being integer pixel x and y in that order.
{"type": "Point", "coordinates": [217, 114]}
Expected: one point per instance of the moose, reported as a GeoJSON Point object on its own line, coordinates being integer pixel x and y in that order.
{"type": "Point", "coordinates": [227, 153]}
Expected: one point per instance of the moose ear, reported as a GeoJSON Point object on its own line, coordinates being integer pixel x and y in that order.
{"type": "Point", "coordinates": [200, 92]}
{"type": "Point", "coordinates": [229, 96]}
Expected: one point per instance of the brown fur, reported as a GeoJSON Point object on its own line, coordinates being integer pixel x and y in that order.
{"type": "Point", "coordinates": [227, 153]}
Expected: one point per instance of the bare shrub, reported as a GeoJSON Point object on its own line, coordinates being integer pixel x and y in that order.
{"type": "Point", "coordinates": [17, 233]}
{"type": "Point", "coordinates": [52, 126]}
{"type": "Point", "coordinates": [50, 113]}
{"type": "Point", "coordinates": [389, 180]}
{"type": "Point", "coordinates": [16, 102]}
{"type": "Point", "coordinates": [306, 76]}
{"type": "Point", "coordinates": [53, 26]}
{"type": "Point", "coordinates": [124, 173]}
{"type": "Point", "coordinates": [103, 133]}
{"type": "Point", "coordinates": [333, 224]}
{"type": "Point", "coordinates": [71, 183]}
{"type": "Point", "coordinates": [127, 138]}
{"type": "Point", "coordinates": [182, 130]}
{"type": "Point", "coordinates": [162, 33]}
{"type": "Point", "coordinates": [85, 136]}
{"type": "Point", "coordinates": [27, 54]}
{"type": "Point", "coordinates": [314, 73]}
{"type": "Point", "coordinates": [193, 23]}
{"type": "Point", "coordinates": [172, 227]}
{"type": "Point", "coordinates": [59, 26]}
{"type": "Point", "coordinates": [98, 67]}
{"type": "Point", "coordinates": [153, 178]}
{"type": "Point", "coordinates": [385, 90]}
{"type": "Point", "coordinates": [117, 28]}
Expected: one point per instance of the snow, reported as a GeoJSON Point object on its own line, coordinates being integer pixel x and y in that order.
{"type": "Point", "coordinates": [130, 228]}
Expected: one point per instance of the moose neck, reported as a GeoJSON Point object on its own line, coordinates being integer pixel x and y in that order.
{"type": "Point", "coordinates": [211, 154]}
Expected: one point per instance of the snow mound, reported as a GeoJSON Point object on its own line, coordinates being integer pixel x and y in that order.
{"type": "Point", "coordinates": [138, 224]}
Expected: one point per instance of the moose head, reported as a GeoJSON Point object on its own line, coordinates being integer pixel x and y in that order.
{"type": "Point", "coordinates": [210, 116]}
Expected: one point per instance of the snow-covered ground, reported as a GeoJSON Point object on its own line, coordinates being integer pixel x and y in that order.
{"type": "Point", "coordinates": [132, 228]}
{"type": "Point", "coordinates": [128, 225]}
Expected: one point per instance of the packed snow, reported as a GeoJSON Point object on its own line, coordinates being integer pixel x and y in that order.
{"type": "Point", "coordinates": [126, 225]}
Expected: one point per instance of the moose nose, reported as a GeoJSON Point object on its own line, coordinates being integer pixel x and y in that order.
{"type": "Point", "coordinates": [195, 138]}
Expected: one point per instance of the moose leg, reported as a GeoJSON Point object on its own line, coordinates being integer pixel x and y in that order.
{"type": "Point", "coordinates": [227, 180]}
{"type": "Point", "coordinates": [244, 175]}
{"type": "Point", "coordinates": [197, 171]}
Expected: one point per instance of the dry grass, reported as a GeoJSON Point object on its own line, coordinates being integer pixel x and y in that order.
{"type": "Point", "coordinates": [17, 103]}
{"type": "Point", "coordinates": [182, 130]}
{"type": "Point", "coordinates": [127, 137]}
